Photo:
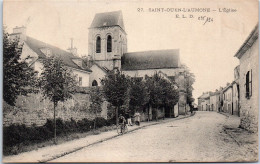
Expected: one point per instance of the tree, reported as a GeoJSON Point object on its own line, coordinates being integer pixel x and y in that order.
{"type": "Point", "coordinates": [19, 78]}
{"type": "Point", "coordinates": [171, 94]}
{"type": "Point", "coordinates": [155, 92]}
{"type": "Point", "coordinates": [57, 83]}
{"type": "Point", "coordinates": [115, 86]}
{"type": "Point", "coordinates": [161, 92]}
{"type": "Point", "coordinates": [138, 94]}
{"type": "Point", "coordinates": [189, 81]}
{"type": "Point", "coordinates": [96, 98]}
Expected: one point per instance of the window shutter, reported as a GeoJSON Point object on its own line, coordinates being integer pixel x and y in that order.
{"type": "Point", "coordinates": [250, 83]}
{"type": "Point", "coordinates": [247, 84]}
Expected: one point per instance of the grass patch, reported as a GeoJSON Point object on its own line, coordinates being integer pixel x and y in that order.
{"type": "Point", "coordinates": [19, 138]}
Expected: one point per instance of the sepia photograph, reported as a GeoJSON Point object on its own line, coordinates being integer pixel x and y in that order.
{"type": "Point", "coordinates": [130, 81]}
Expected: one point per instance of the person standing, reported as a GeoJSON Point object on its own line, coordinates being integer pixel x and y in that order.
{"type": "Point", "coordinates": [129, 121]}
{"type": "Point", "coordinates": [122, 122]}
{"type": "Point", "coordinates": [137, 118]}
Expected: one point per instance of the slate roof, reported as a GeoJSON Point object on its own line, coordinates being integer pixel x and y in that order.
{"type": "Point", "coordinates": [67, 57]}
{"type": "Point", "coordinates": [108, 19]}
{"type": "Point", "coordinates": [102, 68]}
{"type": "Point", "coordinates": [157, 59]}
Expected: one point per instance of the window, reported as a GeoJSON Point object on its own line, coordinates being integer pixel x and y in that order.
{"type": "Point", "coordinates": [109, 43]}
{"type": "Point", "coordinates": [98, 45]}
{"type": "Point", "coordinates": [94, 83]}
{"type": "Point", "coordinates": [248, 84]}
{"type": "Point", "coordinates": [80, 81]}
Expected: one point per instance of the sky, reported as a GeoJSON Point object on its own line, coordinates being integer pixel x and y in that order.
{"type": "Point", "coordinates": [207, 49]}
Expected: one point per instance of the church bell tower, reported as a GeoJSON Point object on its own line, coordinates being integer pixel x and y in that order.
{"type": "Point", "coordinates": [107, 41]}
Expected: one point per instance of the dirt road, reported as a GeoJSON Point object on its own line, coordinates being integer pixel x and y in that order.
{"type": "Point", "coordinates": [199, 139]}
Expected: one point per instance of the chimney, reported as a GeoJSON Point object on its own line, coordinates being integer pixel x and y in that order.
{"type": "Point", "coordinates": [19, 33]}
{"type": "Point", "coordinates": [72, 49]}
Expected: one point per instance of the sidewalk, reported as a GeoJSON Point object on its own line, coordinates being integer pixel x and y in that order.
{"type": "Point", "coordinates": [248, 141]}
{"type": "Point", "coordinates": [55, 151]}
{"type": "Point", "coordinates": [233, 121]}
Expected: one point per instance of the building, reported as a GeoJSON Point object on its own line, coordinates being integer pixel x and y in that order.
{"type": "Point", "coordinates": [204, 102]}
{"type": "Point", "coordinates": [38, 50]}
{"type": "Point", "coordinates": [235, 93]}
{"type": "Point", "coordinates": [214, 101]}
{"type": "Point", "coordinates": [235, 98]}
{"type": "Point", "coordinates": [227, 99]}
{"type": "Point", "coordinates": [107, 49]}
{"type": "Point", "coordinates": [248, 80]}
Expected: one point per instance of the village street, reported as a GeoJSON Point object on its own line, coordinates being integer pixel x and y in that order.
{"type": "Point", "coordinates": [197, 138]}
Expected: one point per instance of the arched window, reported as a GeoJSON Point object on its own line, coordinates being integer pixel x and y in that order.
{"type": "Point", "coordinates": [98, 45]}
{"type": "Point", "coordinates": [109, 43]}
{"type": "Point", "coordinates": [94, 83]}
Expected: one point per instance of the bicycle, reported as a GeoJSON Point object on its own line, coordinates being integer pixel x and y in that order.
{"type": "Point", "coordinates": [122, 129]}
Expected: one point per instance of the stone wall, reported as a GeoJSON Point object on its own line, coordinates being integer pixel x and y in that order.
{"type": "Point", "coordinates": [235, 99]}
{"type": "Point", "coordinates": [249, 106]}
{"type": "Point", "coordinates": [34, 109]}
{"type": "Point", "coordinates": [152, 112]}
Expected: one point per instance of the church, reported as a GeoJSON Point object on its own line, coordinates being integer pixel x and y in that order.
{"type": "Point", "coordinates": [107, 49]}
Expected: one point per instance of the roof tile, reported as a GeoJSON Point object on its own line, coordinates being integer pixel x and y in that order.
{"type": "Point", "coordinates": [157, 59]}
{"type": "Point", "coordinates": [67, 57]}
{"type": "Point", "coordinates": [108, 19]}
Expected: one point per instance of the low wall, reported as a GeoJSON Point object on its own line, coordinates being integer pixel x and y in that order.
{"type": "Point", "coordinates": [34, 109]}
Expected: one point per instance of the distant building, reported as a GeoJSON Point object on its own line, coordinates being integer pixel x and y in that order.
{"type": "Point", "coordinates": [204, 102]}
{"type": "Point", "coordinates": [214, 101]}
{"type": "Point", "coordinates": [227, 99]}
{"type": "Point", "coordinates": [248, 56]}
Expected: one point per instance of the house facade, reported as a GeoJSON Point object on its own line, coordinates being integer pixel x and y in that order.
{"type": "Point", "coordinates": [214, 101]}
{"type": "Point", "coordinates": [227, 99]}
{"type": "Point", "coordinates": [204, 102]}
{"type": "Point", "coordinates": [248, 56]}
{"type": "Point", "coordinates": [38, 51]}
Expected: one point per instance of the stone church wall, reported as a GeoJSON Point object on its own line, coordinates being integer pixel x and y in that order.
{"type": "Point", "coordinates": [119, 45]}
